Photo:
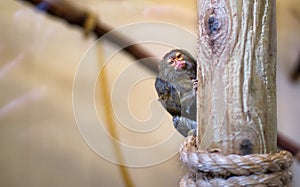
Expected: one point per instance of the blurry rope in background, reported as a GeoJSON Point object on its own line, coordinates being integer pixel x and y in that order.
{"type": "Point", "coordinates": [90, 23]}
{"type": "Point", "coordinates": [82, 18]}
{"type": "Point", "coordinates": [215, 169]}
{"type": "Point", "coordinates": [109, 120]}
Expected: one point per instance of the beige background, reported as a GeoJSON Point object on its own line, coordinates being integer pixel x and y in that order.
{"type": "Point", "coordinates": [41, 144]}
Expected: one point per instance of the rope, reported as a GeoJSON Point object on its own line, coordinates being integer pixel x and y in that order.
{"type": "Point", "coordinates": [90, 23]}
{"type": "Point", "coordinates": [215, 169]}
{"type": "Point", "coordinates": [109, 120]}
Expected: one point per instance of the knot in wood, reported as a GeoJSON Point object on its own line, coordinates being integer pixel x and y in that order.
{"type": "Point", "coordinates": [246, 147]}
{"type": "Point", "coordinates": [215, 25]}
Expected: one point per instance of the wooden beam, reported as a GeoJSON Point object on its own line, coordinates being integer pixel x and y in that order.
{"type": "Point", "coordinates": [237, 76]}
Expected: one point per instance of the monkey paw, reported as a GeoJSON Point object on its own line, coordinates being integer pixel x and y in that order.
{"type": "Point", "coordinates": [195, 84]}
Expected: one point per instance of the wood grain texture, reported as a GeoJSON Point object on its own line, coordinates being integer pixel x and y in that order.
{"type": "Point", "coordinates": [237, 76]}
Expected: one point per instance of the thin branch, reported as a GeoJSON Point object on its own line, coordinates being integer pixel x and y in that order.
{"type": "Point", "coordinates": [287, 144]}
{"type": "Point", "coordinates": [295, 13]}
{"type": "Point", "coordinates": [22, 100]}
{"type": "Point", "coordinates": [7, 67]}
{"type": "Point", "coordinates": [295, 75]}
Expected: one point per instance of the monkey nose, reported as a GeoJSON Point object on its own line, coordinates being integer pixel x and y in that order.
{"type": "Point", "coordinates": [179, 64]}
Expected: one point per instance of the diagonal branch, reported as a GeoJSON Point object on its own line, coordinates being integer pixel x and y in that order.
{"type": "Point", "coordinates": [75, 16]}
{"type": "Point", "coordinates": [287, 144]}
{"type": "Point", "coordinates": [295, 74]}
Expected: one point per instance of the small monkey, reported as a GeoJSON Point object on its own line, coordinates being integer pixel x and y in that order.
{"type": "Point", "coordinates": [175, 86]}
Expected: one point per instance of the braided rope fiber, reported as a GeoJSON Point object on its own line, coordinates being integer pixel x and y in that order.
{"type": "Point", "coordinates": [215, 169]}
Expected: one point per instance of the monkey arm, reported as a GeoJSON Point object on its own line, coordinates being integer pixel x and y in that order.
{"type": "Point", "coordinates": [168, 96]}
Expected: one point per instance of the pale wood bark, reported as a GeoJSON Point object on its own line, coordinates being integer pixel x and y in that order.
{"type": "Point", "coordinates": [237, 72]}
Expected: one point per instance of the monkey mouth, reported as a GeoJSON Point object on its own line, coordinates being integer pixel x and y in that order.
{"type": "Point", "coordinates": [180, 64]}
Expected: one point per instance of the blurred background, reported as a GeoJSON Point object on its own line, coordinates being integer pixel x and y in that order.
{"type": "Point", "coordinates": [56, 128]}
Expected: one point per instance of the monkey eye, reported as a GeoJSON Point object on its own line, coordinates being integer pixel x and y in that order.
{"type": "Point", "coordinates": [178, 55]}
{"type": "Point", "coordinates": [171, 61]}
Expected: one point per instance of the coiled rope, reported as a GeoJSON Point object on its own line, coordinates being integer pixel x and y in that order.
{"type": "Point", "coordinates": [214, 169]}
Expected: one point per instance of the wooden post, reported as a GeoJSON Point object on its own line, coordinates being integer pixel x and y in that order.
{"type": "Point", "coordinates": [237, 72]}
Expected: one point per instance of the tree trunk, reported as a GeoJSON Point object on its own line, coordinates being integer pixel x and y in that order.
{"type": "Point", "coordinates": [237, 76]}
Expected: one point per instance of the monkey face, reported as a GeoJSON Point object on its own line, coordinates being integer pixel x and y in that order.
{"type": "Point", "coordinates": [179, 60]}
